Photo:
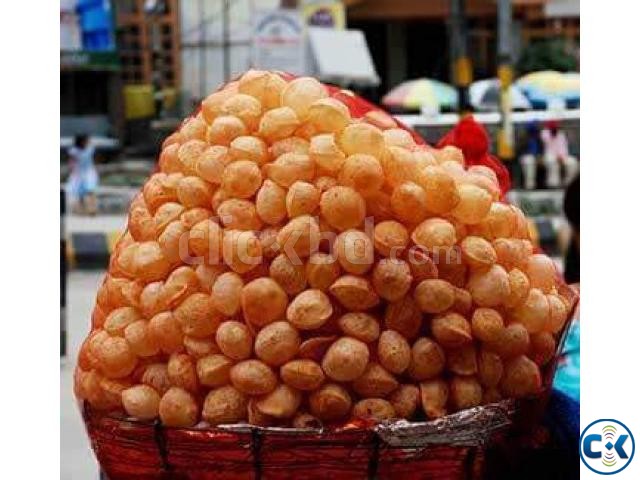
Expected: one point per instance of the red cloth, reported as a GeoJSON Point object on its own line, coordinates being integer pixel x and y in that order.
{"type": "Point", "coordinates": [472, 138]}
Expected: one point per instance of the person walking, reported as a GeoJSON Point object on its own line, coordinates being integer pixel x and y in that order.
{"type": "Point", "coordinates": [83, 180]}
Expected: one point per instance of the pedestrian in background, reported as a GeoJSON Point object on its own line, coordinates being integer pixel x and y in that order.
{"type": "Point", "coordinates": [83, 180]}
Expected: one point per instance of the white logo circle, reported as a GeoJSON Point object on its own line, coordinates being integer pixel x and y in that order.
{"type": "Point", "coordinates": [607, 446]}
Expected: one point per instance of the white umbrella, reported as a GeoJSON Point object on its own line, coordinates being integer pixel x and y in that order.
{"type": "Point", "coordinates": [484, 95]}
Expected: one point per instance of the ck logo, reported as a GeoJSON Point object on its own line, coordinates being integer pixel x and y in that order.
{"type": "Point", "coordinates": [607, 446]}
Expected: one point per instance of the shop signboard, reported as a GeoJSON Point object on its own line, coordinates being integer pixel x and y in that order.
{"type": "Point", "coordinates": [279, 41]}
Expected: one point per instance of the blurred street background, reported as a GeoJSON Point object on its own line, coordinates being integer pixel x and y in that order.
{"type": "Point", "coordinates": [130, 70]}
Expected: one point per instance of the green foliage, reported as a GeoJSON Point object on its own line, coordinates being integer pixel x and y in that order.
{"type": "Point", "coordinates": [548, 54]}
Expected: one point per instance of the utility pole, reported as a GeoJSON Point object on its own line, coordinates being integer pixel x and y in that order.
{"type": "Point", "coordinates": [461, 63]}
{"type": "Point", "coordinates": [505, 75]}
{"type": "Point", "coordinates": [226, 41]}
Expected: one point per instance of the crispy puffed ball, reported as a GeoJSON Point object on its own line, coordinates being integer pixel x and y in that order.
{"type": "Point", "coordinates": [290, 168]}
{"type": "Point", "coordinates": [361, 138]}
{"type": "Point", "coordinates": [489, 288]}
{"type": "Point", "coordinates": [271, 203]}
{"type": "Point", "coordinates": [197, 315]}
{"type": "Point", "coordinates": [119, 292]}
{"type": "Point", "coordinates": [346, 359]}
{"type": "Point", "coordinates": [181, 370]}
{"type": "Point", "coordinates": [390, 238]}
{"type": "Point", "coordinates": [253, 377]}
{"type": "Point", "coordinates": [427, 359]}
{"type": "Point", "coordinates": [226, 293]}
{"type": "Point", "coordinates": [512, 252]}
{"type": "Point", "coordinates": [156, 376]}
{"type": "Point", "coordinates": [166, 213]}
{"type": "Point", "coordinates": [301, 93]}
{"type": "Point", "coordinates": [376, 409]}
{"type": "Point", "coordinates": [322, 269]}
{"type": "Point", "coordinates": [119, 319]}
{"type": "Point", "coordinates": [400, 166]}
{"type": "Point", "coordinates": [224, 405]}
{"type": "Point", "coordinates": [534, 312]}
{"type": "Point", "coordinates": [434, 395]}
{"type": "Point", "coordinates": [398, 137]}
{"type": "Point", "coordinates": [289, 145]}
{"type": "Point", "coordinates": [241, 179]}
{"type": "Point", "coordinates": [166, 332]}
{"type": "Point", "coordinates": [309, 310]}
{"type": "Point", "coordinates": [543, 347]}
{"type": "Point", "coordinates": [302, 198]}
{"type": "Point", "coordinates": [235, 340]}
{"type": "Point", "coordinates": [241, 250]}
{"type": "Point", "coordinates": [289, 275]}
{"type": "Point", "coordinates": [474, 204]}
{"type": "Point", "coordinates": [342, 207]}
{"type": "Point", "coordinates": [141, 402]}
{"type": "Point", "coordinates": [178, 408]}
{"type": "Point", "coordinates": [245, 107]}
{"type": "Point", "coordinates": [463, 302]}
{"type": "Point", "coordinates": [172, 242]}
{"type": "Point", "coordinates": [521, 378]}
{"type": "Point", "coordinates": [518, 288]}
{"type": "Point", "coordinates": [277, 343]}
{"type": "Point", "coordinates": [188, 155]}
{"type": "Point", "coordinates": [434, 296]}
{"type": "Point", "coordinates": [115, 357]}
{"type": "Point", "coordinates": [558, 313]}
{"type": "Point", "coordinates": [190, 218]}
{"type": "Point", "coordinates": [326, 154]}
{"type": "Point", "coordinates": [256, 417]}
{"type": "Point", "coordinates": [194, 192]}
{"type": "Point", "coordinates": [421, 264]}
{"type": "Point", "coordinates": [213, 370]}
{"type": "Point", "coordinates": [224, 129]}
{"type": "Point", "coordinates": [500, 222]}
{"type": "Point", "coordinates": [449, 153]}
{"type": "Point", "coordinates": [375, 382]}
{"type": "Point", "coordinates": [249, 148]}
{"type": "Point", "coordinates": [404, 317]}
{"type": "Point", "coordinates": [405, 400]}
{"type": "Point", "coordinates": [265, 86]}
{"type": "Point", "coordinates": [354, 251]}
{"type": "Point", "coordinates": [434, 233]}
{"type": "Point", "coordinates": [465, 392]}
{"type": "Point", "coordinates": [207, 275]}
{"type": "Point", "coordinates": [299, 238]}
{"type": "Point", "coordinates": [486, 324]}
{"type": "Point", "coordinates": [362, 172]}
{"type": "Point", "coordinates": [462, 361]}
{"type": "Point", "coordinates": [490, 368]}
{"type": "Point", "coordinates": [283, 402]}
{"type": "Point", "coordinates": [169, 161]}
{"type": "Point", "coordinates": [541, 272]}
{"type": "Point", "coordinates": [239, 214]}
{"type": "Point", "coordinates": [278, 123]}
{"type": "Point", "coordinates": [440, 188]}
{"type": "Point", "coordinates": [205, 240]}
{"type": "Point", "coordinates": [354, 293]}
{"type": "Point", "coordinates": [269, 241]}
{"type": "Point", "coordinates": [328, 115]}
{"type": "Point", "coordinates": [409, 203]}
{"type": "Point", "coordinates": [302, 374]}
{"type": "Point", "coordinates": [212, 105]}
{"type": "Point", "coordinates": [200, 347]}
{"type": "Point", "coordinates": [149, 262]}
{"type": "Point", "coordinates": [394, 352]}
{"type": "Point", "coordinates": [478, 253]}
{"type": "Point", "coordinates": [263, 301]}
{"type": "Point", "coordinates": [211, 164]}
{"type": "Point", "coordinates": [514, 340]}
{"type": "Point", "coordinates": [159, 189]}
{"type": "Point", "coordinates": [391, 278]}
{"type": "Point", "coordinates": [330, 402]}
{"type": "Point", "coordinates": [451, 330]}
{"type": "Point", "coordinates": [360, 325]}
{"type": "Point", "coordinates": [140, 341]}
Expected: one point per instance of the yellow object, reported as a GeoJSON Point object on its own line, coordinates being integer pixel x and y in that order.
{"type": "Point", "coordinates": [464, 72]}
{"type": "Point", "coordinates": [138, 101]}
{"type": "Point", "coordinates": [329, 14]}
{"type": "Point", "coordinates": [505, 148]}
{"type": "Point", "coordinates": [505, 75]}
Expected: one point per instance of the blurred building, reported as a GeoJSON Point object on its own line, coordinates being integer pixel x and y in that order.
{"type": "Point", "coordinates": [409, 38]}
